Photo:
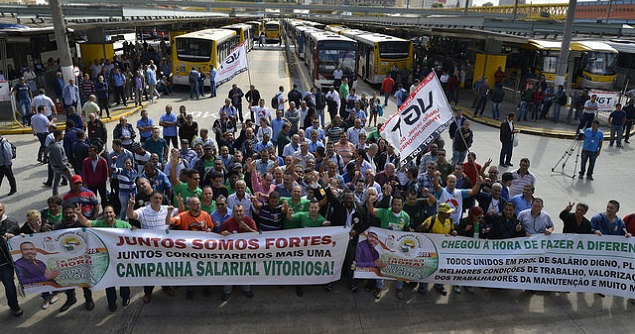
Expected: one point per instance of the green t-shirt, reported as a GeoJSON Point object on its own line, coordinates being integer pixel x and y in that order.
{"type": "Point", "coordinates": [392, 222]}
{"type": "Point", "coordinates": [303, 219]}
{"type": "Point", "coordinates": [302, 206]}
{"type": "Point", "coordinates": [209, 208]}
{"type": "Point", "coordinates": [54, 219]}
{"type": "Point", "coordinates": [184, 191]}
{"type": "Point", "coordinates": [207, 165]}
{"type": "Point", "coordinates": [374, 135]}
{"type": "Point", "coordinates": [118, 224]}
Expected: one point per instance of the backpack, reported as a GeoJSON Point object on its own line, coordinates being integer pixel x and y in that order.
{"type": "Point", "coordinates": [274, 101]}
{"type": "Point", "coordinates": [14, 150]}
{"type": "Point", "coordinates": [191, 77]}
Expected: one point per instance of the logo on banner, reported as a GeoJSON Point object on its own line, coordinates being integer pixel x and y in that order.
{"type": "Point", "coordinates": [69, 255]}
{"type": "Point", "coordinates": [233, 65]}
{"type": "Point", "coordinates": [406, 256]}
{"type": "Point", "coordinates": [233, 57]}
{"type": "Point", "coordinates": [421, 119]}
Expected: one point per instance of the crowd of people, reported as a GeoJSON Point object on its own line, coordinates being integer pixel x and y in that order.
{"type": "Point", "coordinates": [277, 168]}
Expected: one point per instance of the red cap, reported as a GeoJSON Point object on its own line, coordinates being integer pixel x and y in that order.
{"type": "Point", "coordinates": [76, 179]}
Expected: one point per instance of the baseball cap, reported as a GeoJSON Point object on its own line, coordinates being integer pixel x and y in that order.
{"type": "Point", "coordinates": [76, 179]}
{"type": "Point", "coordinates": [445, 208]}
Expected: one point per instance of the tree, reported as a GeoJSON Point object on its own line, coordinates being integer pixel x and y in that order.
{"type": "Point", "coordinates": [437, 5]}
{"type": "Point", "coordinates": [488, 4]}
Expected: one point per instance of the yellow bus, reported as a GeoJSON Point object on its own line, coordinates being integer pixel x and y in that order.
{"type": "Point", "coordinates": [378, 53]}
{"type": "Point", "coordinates": [200, 49]}
{"type": "Point", "coordinates": [243, 31]}
{"type": "Point", "coordinates": [546, 60]}
{"type": "Point", "coordinates": [272, 30]}
{"type": "Point", "coordinates": [256, 28]}
{"type": "Point", "coordinates": [593, 62]}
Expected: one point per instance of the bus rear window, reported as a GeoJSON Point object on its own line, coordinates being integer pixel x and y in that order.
{"type": "Point", "coordinates": [194, 50]}
{"type": "Point", "coordinates": [394, 50]}
{"type": "Point", "coordinates": [272, 26]}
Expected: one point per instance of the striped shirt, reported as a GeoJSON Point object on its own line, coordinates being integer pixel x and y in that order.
{"type": "Point", "coordinates": [126, 179]}
{"type": "Point", "coordinates": [270, 219]}
{"type": "Point", "coordinates": [153, 220]}
{"type": "Point", "coordinates": [86, 198]}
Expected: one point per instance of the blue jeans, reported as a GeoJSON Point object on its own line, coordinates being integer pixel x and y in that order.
{"type": "Point", "coordinates": [380, 284]}
{"type": "Point", "coordinates": [556, 112]}
{"type": "Point", "coordinates": [124, 197]}
{"type": "Point", "coordinates": [496, 110]}
{"type": "Point", "coordinates": [320, 113]}
{"type": "Point", "coordinates": [590, 156]}
{"type": "Point", "coordinates": [26, 111]}
{"type": "Point", "coordinates": [6, 276]}
{"type": "Point", "coordinates": [212, 85]}
{"type": "Point", "coordinates": [458, 156]}
{"type": "Point", "coordinates": [537, 110]}
{"type": "Point", "coordinates": [386, 97]}
{"type": "Point", "coordinates": [524, 107]}
{"type": "Point", "coordinates": [616, 129]}
{"type": "Point", "coordinates": [194, 90]}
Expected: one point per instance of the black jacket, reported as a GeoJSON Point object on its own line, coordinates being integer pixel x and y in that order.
{"type": "Point", "coordinates": [7, 226]}
{"type": "Point", "coordinates": [506, 134]}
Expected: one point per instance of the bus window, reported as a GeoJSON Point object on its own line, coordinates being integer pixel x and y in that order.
{"type": "Point", "coordinates": [193, 50]}
{"type": "Point", "coordinates": [600, 63]}
{"type": "Point", "coordinates": [394, 50]}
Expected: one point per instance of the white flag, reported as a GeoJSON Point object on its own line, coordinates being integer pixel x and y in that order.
{"type": "Point", "coordinates": [233, 65]}
{"type": "Point", "coordinates": [421, 118]}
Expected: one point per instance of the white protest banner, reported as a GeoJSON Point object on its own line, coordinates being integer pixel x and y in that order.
{"type": "Point", "coordinates": [233, 65]}
{"type": "Point", "coordinates": [606, 99]}
{"type": "Point", "coordinates": [4, 90]}
{"type": "Point", "coordinates": [102, 257]}
{"type": "Point", "coordinates": [559, 262]}
{"type": "Point", "coordinates": [421, 118]}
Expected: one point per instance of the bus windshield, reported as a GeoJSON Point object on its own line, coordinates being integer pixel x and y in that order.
{"type": "Point", "coordinates": [331, 54]}
{"type": "Point", "coordinates": [194, 50]}
{"type": "Point", "coordinates": [548, 64]}
{"type": "Point", "coordinates": [394, 49]}
{"type": "Point", "coordinates": [272, 26]}
{"type": "Point", "coordinates": [602, 63]}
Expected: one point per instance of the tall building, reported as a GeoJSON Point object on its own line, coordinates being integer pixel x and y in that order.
{"type": "Point", "coordinates": [385, 3]}
{"type": "Point", "coordinates": [429, 3]}
{"type": "Point", "coordinates": [25, 2]}
{"type": "Point", "coordinates": [510, 2]}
